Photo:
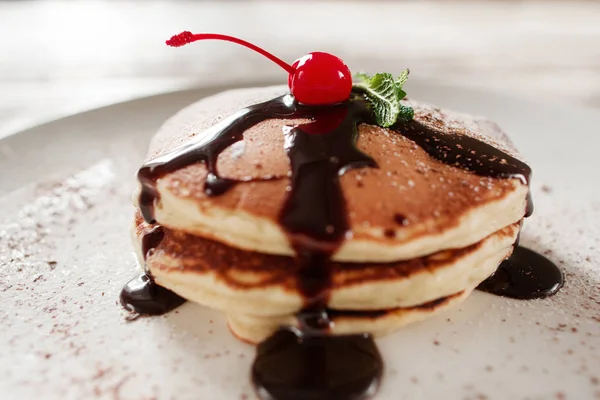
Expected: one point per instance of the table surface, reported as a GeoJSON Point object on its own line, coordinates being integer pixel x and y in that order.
{"type": "Point", "coordinates": [61, 57]}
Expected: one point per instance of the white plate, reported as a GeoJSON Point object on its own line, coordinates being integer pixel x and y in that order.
{"type": "Point", "coordinates": [65, 254]}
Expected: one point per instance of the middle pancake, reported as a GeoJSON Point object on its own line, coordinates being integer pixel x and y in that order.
{"type": "Point", "coordinates": [245, 282]}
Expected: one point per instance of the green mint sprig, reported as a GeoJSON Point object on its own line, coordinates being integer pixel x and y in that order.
{"type": "Point", "coordinates": [384, 93]}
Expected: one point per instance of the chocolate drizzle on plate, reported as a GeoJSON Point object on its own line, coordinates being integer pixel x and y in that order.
{"type": "Point", "coordinates": [316, 367]}
{"type": "Point", "coordinates": [306, 362]}
{"type": "Point", "coordinates": [141, 294]}
{"type": "Point", "coordinates": [524, 275]}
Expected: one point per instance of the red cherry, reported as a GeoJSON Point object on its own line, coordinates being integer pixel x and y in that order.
{"type": "Point", "coordinates": [315, 79]}
{"type": "Point", "coordinates": [320, 78]}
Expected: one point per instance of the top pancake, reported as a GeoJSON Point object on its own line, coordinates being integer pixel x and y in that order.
{"type": "Point", "coordinates": [412, 205]}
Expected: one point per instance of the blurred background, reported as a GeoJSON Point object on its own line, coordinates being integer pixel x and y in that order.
{"type": "Point", "coordinates": [60, 57]}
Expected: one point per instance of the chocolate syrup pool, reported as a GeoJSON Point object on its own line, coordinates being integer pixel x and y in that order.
{"type": "Point", "coordinates": [141, 294]}
{"type": "Point", "coordinates": [525, 275]}
{"type": "Point", "coordinates": [308, 363]}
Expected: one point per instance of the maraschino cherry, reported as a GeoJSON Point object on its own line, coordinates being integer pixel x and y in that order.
{"type": "Point", "coordinates": [315, 79]}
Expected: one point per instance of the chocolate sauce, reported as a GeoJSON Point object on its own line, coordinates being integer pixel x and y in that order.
{"type": "Point", "coordinates": [467, 153]}
{"type": "Point", "coordinates": [313, 278]}
{"type": "Point", "coordinates": [308, 363]}
{"type": "Point", "coordinates": [151, 239]}
{"type": "Point", "coordinates": [141, 294]}
{"type": "Point", "coordinates": [207, 147]}
{"type": "Point", "coordinates": [290, 366]}
{"type": "Point", "coordinates": [525, 275]}
{"type": "Point", "coordinates": [314, 213]}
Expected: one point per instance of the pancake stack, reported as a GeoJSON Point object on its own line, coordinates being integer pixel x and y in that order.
{"type": "Point", "coordinates": [422, 234]}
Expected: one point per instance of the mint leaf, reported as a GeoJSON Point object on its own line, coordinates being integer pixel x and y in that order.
{"type": "Point", "coordinates": [406, 114]}
{"type": "Point", "coordinates": [381, 92]}
{"type": "Point", "coordinates": [402, 78]}
{"type": "Point", "coordinates": [384, 93]}
{"type": "Point", "coordinates": [400, 81]}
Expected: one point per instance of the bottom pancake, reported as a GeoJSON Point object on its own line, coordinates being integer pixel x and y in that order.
{"type": "Point", "coordinates": [254, 329]}
{"type": "Point", "coordinates": [240, 282]}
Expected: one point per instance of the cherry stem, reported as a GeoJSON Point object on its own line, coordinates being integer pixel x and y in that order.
{"type": "Point", "coordinates": [188, 37]}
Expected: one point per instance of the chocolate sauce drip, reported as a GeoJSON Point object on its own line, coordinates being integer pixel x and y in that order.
{"type": "Point", "coordinates": [310, 364]}
{"type": "Point", "coordinates": [314, 277]}
{"type": "Point", "coordinates": [314, 214]}
{"type": "Point", "coordinates": [467, 153]}
{"type": "Point", "coordinates": [293, 367]}
{"type": "Point", "coordinates": [151, 239]}
{"type": "Point", "coordinates": [216, 185]}
{"type": "Point", "coordinates": [314, 282]}
{"type": "Point", "coordinates": [524, 275]}
{"type": "Point", "coordinates": [141, 294]}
